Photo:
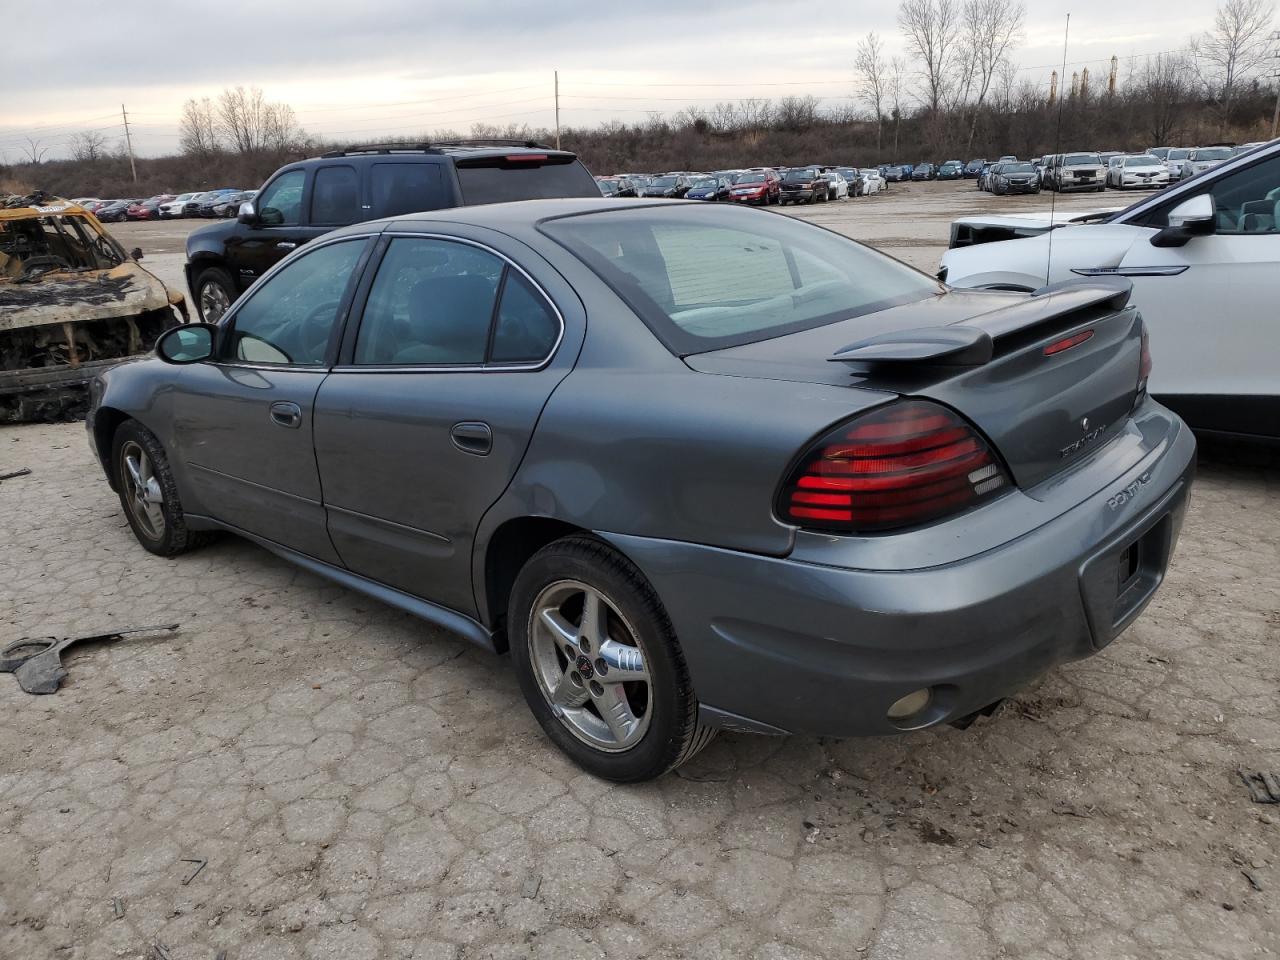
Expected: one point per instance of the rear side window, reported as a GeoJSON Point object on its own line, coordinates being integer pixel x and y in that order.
{"type": "Point", "coordinates": [526, 329]}
{"type": "Point", "coordinates": [400, 188]}
{"type": "Point", "coordinates": [705, 278]}
{"type": "Point", "coordinates": [500, 179]}
{"type": "Point", "coordinates": [335, 196]}
{"type": "Point", "coordinates": [431, 303]}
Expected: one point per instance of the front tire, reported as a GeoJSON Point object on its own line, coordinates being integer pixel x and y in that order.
{"type": "Point", "coordinates": [215, 292]}
{"type": "Point", "coordinates": [149, 493]}
{"type": "Point", "coordinates": [599, 663]}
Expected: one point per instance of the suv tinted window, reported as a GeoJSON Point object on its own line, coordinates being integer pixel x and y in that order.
{"type": "Point", "coordinates": [497, 180]}
{"type": "Point", "coordinates": [431, 303]}
{"type": "Point", "coordinates": [335, 196]}
{"type": "Point", "coordinates": [405, 188]}
{"type": "Point", "coordinates": [290, 318]}
{"type": "Point", "coordinates": [1247, 201]}
{"type": "Point", "coordinates": [280, 204]}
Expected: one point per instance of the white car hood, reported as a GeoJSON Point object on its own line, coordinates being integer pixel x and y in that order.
{"type": "Point", "coordinates": [1031, 262]}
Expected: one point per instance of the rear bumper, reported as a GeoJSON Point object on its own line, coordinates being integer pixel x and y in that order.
{"type": "Point", "coordinates": [776, 644]}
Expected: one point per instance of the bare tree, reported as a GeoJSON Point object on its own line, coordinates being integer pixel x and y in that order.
{"type": "Point", "coordinates": [873, 80]}
{"type": "Point", "coordinates": [34, 150]}
{"type": "Point", "coordinates": [897, 71]}
{"type": "Point", "coordinates": [1236, 46]}
{"type": "Point", "coordinates": [241, 118]}
{"type": "Point", "coordinates": [932, 29]}
{"type": "Point", "coordinates": [1163, 85]}
{"type": "Point", "coordinates": [89, 146]}
{"type": "Point", "coordinates": [989, 29]}
{"type": "Point", "coordinates": [796, 114]}
{"type": "Point", "coordinates": [280, 129]}
{"type": "Point", "coordinates": [198, 130]}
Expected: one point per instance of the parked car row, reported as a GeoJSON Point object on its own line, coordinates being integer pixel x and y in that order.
{"type": "Point", "coordinates": [165, 206]}
{"type": "Point", "coordinates": [758, 185]}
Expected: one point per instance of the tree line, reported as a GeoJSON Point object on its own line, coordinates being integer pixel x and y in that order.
{"type": "Point", "coordinates": [955, 93]}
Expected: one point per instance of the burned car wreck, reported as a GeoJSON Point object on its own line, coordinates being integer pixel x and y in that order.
{"type": "Point", "coordinates": [72, 302]}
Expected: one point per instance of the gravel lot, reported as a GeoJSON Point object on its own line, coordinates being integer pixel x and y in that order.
{"type": "Point", "coordinates": [363, 785]}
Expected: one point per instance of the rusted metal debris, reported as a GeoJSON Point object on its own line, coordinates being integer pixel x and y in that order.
{"type": "Point", "coordinates": [37, 662]}
{"type": "Point", "coordinates": [1264, 787]}
{"type": "Point", "coordinates": [72, 303]}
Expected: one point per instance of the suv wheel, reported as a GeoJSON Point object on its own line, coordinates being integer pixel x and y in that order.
{"type": "Point", "coordinates": [215, 292]}
{"type": "Point", "coordinates": [599, 663]}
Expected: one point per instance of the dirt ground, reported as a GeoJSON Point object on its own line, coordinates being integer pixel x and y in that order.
{"type": "Point", "coordinates": [362, 785]}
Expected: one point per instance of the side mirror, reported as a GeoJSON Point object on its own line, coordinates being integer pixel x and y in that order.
{"type": "Point", "coordinates": [136, 253]}
{"type": "Point", "coordinates": [1191, 218]}
{"type": "Point", "coordinates": [248, 213]}
{"type": "Point", "coordinates": [188, 343]}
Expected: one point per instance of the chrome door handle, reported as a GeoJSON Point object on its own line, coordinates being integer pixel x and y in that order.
{"type": "Point", "coordinates": [286, 245]}
{"type": "Point", "coordinates": [285, 414]}
{"type": "Point", "coordinates": [472, 436]}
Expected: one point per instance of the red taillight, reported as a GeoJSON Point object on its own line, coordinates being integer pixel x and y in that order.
{"type": "Point", "coordinates": [1066, 343]}
{"type": "Point", "coordinates": [902, 465]}
{"type": "Point", "coordinates": [526, 158]}
{"type": "Point", "coordinates": [1144, 365]}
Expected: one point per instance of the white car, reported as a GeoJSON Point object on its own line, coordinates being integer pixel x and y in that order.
{"type": "Point", "coordinates": [1204, 158]}
{"type": "Point", "coordinates": [174, 207]}
{"type": "Point", "coordinates": [837, 186]}
{"type": "Point", "coordinates": [872, 182]}
{"type": "Point", "coordinates": [1204, 261]}
{"type": "Point", "coordinates": [1176, 161]}
{"type": "Point", "coordinates": [1138, 171]}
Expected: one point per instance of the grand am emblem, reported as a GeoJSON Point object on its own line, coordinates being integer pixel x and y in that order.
{"type": "Point", "coordinates": [1129, 492]}
{"type": "Point", "coordinates": [1088, 438]}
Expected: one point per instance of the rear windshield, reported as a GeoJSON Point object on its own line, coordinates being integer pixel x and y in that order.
{"type": "Point", "coordinates": [1081, 159]}
{"type": "Point", "coordinates": [707, 277]}
{"type": "Point", "coordinates": [499, 180]}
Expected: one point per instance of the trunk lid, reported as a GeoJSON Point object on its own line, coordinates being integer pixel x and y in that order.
{"type": "Point", "coordinates": [1041, 412]}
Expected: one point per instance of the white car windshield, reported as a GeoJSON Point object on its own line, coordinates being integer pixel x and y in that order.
{"type": "Point", "coordinates": [1141, 162]}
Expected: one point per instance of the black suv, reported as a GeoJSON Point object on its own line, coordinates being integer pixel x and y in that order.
{"type": "Point", "coordinates": [303, 200]}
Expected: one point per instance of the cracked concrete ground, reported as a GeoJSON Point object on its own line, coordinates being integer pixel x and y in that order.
{"type": "Point", "coordinates": [363, 785]}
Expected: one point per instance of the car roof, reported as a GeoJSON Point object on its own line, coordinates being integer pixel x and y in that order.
{"type": "Point", "coordinates": [456, 149]}
{"type": "Point", "coordinates": [516, 215]}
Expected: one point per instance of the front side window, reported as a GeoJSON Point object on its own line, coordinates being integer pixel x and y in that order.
{"type": "Point", "coordinates": [713, 277]}
{"type": "Point", "coordinates": [1247, 201]}
{"type": "Point", "coordinates": [280, 204]}
{"type": "Point", "coordinates": [290, 318]}
{"type": "Point", "coordinates": [335, 196]}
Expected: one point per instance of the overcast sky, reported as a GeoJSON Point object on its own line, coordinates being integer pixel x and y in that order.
{"type": "Point", "coordinates": [353, 70]}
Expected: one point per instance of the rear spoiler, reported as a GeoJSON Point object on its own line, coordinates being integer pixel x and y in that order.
{"type": "Point", "coordinates": [973, 343]}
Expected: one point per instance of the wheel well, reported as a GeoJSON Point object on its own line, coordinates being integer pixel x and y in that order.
{"type": "Point", "coordinates": [105, 424]}
{"type": "Point", "coordinates": [510, 548]}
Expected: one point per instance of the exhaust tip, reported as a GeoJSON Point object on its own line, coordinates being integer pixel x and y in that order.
{"type": "Point", "coordinates": [907, 708]}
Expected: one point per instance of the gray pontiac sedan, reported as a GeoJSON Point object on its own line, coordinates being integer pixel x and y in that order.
{"type": "Point", "coordinates": [695, 466]}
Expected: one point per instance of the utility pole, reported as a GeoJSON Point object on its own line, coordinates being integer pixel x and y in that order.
{"type": "Point", "coordinates": [129, 142]}
{"type": "Point", "coordinates": [1275, 117]}
{"type": "Point", "coordinates": [557, 76]}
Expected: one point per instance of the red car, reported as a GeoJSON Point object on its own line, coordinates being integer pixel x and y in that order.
{"type": "Point", "coordinates": [147, 209]}
{"type": "Point", "coordinates": [756, 186]}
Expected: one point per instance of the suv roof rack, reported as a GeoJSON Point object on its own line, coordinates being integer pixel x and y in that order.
{"type": "Point", "coordinates": [433, 146]}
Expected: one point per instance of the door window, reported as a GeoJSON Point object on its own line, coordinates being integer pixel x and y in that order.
{"type": "Point", "coordinates": [280, 204]}
{"type": "Point", "coordinates": [399, 188]}
{"type": "Point", "coordinates": [335, 196]}
{"type": "Point", "coordinates": [1247, 201]}
{"type": "Point", "coordinates": [526, 328]}
{"type": "Point", "coordinates": [289, 319]}
{"type": "Point", "coordinates": [431, 303]}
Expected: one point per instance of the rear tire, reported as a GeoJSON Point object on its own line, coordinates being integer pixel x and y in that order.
{"type": "Point", "coordinates": [149, 494]}
{"type": "Point", "coordinates": [655, 725]}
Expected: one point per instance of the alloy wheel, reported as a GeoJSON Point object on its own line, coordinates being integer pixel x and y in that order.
{"type": "Point", "coordinates": [590, 666]}
{"type": "Point", "coordinates": [213, 301]}
{"type": "Point", "coordinates": [143, 495]}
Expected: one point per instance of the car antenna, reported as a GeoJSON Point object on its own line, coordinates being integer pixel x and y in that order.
{"type": "Point", "coordinates": [1057, 147]}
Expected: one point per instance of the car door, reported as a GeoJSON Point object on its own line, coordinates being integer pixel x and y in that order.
{"type": "Point", "coordinates": [422, 425]}
{"type": "Point", "coordinates": [244, 420]}
{"type": "Point", "coordinates": [1210, 304]}
{"type": "Point", "coordinates": [278, 229]}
